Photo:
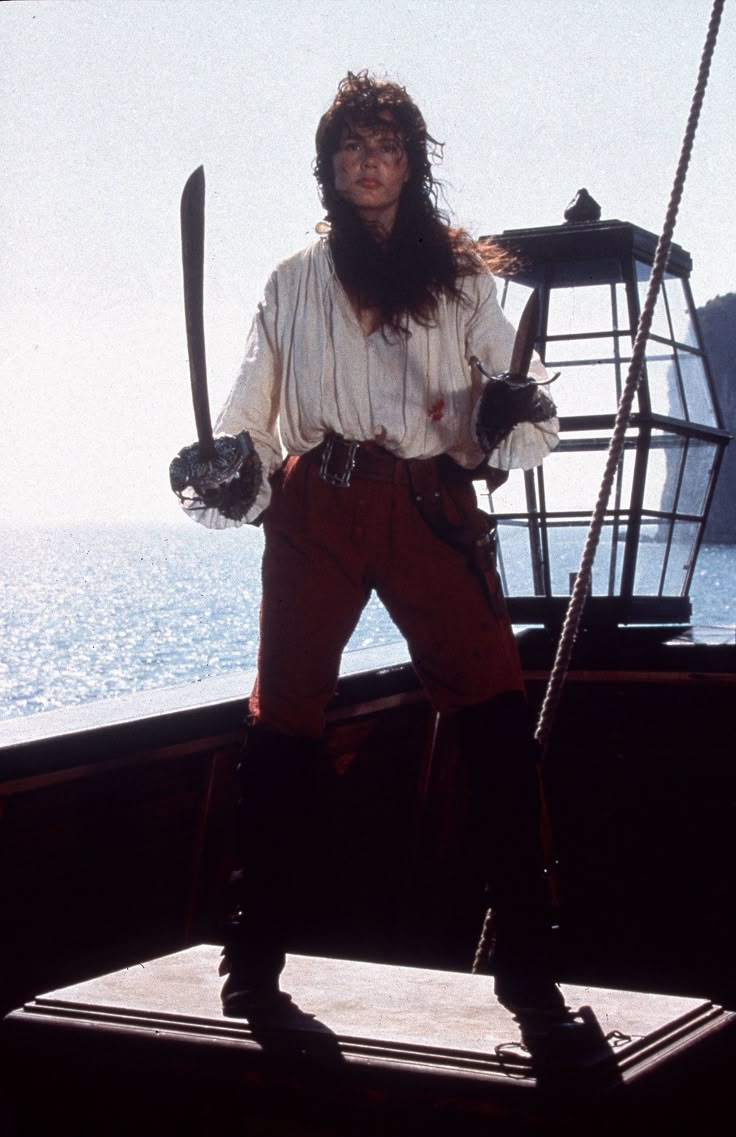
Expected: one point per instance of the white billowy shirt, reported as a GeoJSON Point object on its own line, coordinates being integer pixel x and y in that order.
{"type": "Point", "coordinates": [310, 369]}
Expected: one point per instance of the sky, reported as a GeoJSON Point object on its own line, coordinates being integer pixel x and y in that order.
{"type": "Point", "coordinates": [107, 107]}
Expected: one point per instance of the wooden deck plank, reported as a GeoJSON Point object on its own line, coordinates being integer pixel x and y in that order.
{"type": "Point", "coordinates": [430, 1020]}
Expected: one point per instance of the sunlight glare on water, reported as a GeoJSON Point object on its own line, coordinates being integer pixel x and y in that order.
{"type": "Point", "coordinates": [97, 611]}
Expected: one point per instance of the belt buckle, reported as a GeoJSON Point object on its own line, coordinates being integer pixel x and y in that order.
{"type": "Point", "coordinates": [340, 477]}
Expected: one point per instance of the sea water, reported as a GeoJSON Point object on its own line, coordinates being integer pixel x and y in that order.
{"type": "Point", "coordinates": [94, 611]}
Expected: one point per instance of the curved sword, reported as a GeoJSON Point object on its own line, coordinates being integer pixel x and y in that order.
{"type": "Point", "coordinates": [192, 255]}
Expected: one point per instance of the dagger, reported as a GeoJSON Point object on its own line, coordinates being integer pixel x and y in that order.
{"type": "Point", "coordinates": [523, 349]}
{"type": "Point", "coordinates": [526, 334]}
{"type": "Point", "coordinates": [513, 397]}
{"type": "Point", "coordinates": [192, 255]}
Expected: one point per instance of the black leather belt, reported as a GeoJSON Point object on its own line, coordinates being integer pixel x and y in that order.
{"type": "Point", "coordinates": [341, 460]}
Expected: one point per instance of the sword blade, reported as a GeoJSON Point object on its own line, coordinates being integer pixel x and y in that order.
{"type": "Point", "coordinates": [192, 255]}
{"type": "Point", "coordinates": [526, 333]}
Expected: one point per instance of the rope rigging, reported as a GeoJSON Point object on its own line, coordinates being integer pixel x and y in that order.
{"type": "Point", "coordinates": [581, 586]}
{"type": "Point", "coordinates": [582, 580]}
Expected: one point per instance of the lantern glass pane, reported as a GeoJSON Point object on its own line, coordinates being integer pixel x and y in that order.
{"type": "Point", "coordinates": [515, 559]}
{"type": "Point", "coordinates": [695, 383]}
{"type": "Point", "coordinates": [662, 381]}
{"type": "Point", "coordinates": [600, 349]}
{"type": "Point", "coordinates": [566, 545]}
{"type": "Point", "coordinates": [508, 498]}
{"type": "Point", "coordinates": [664, 466]}
{"type": "Point", "coordinates": [582, 309]}
{"type": "Point", "coordinates": [513, 297]}
{"type": "Point", "coordinates": [650, 556]}
{"type": "Point", "coordinates": [699, 461]}
{"type": "Point", "coordinates": [683, 330]}
{"type": "Point", "coordinates": [574, 481]}
{"type": "Point", "coordinates": [681, 557]}
{"type": "Point", "coordinates": [622, 490]}
{"type": "Point", "coordinates": [622, 321]}
{"type": "Point", "coordinates": [660, 324]}
{"type": "Point", "coordinates": [584, 388]}
{"type": "Point", "coordinates": [574, 474]}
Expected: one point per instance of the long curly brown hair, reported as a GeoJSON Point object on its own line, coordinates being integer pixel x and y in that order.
{"type": "Point", "coordinates": [423, 256]}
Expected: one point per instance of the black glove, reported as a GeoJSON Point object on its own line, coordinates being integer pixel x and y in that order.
{"type": "Point", "coordinates": [506, 401]}
{"type": "Point", "coordinates": [228, 481]}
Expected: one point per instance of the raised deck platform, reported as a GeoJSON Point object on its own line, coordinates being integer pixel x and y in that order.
{"type": "Point", "coordinates": [369, 1049]}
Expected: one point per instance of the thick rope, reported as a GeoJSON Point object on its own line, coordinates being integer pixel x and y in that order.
{"type": "Point", "coordinates": [582, 580]}
{"type": "Point", "coordinates": [581, 587]}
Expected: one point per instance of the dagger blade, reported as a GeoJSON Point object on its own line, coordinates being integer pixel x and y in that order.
{"type": "Point", "coordinates": [526, 334]}
{"type": "Point", "coordinates": [192, 254]}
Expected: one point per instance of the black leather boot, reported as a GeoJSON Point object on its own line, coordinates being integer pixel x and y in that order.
{"type": "Point", "coordinates": [500, 753]}
{"type": "Point", "coordinates": [285, 786]}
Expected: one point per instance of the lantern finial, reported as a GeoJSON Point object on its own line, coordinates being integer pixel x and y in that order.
{"type": "Point", "coordinates": [583, 207]}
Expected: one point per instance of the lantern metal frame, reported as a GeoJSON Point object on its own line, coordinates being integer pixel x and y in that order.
{"type": "Point", "coordinates": [634, 588]}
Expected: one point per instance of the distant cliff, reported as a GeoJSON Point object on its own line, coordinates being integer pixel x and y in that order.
{"type": "Point", "coordinates": [718, 324]}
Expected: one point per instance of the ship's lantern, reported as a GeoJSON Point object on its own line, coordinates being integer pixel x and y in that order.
{"type": "Point", "coordinates": [593, 278]}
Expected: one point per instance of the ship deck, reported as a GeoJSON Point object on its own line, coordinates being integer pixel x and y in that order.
{"type": "Point", "coordinates": [364, 1049]}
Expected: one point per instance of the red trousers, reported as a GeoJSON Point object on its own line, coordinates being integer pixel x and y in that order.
{"type": "Point", "coordinates": [326, 549]}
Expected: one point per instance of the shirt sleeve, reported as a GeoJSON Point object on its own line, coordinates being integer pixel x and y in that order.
{"type": "Point", "coordinates": [490, 337]}
{"type": "Point", "coordinates": [253, 405]}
